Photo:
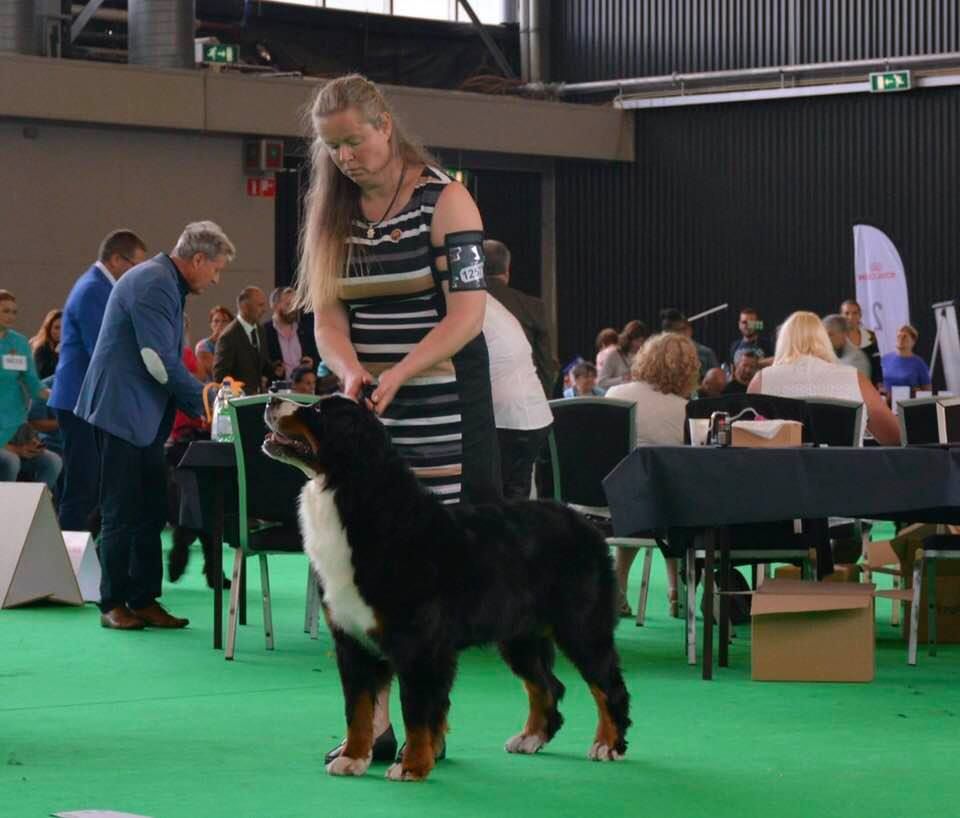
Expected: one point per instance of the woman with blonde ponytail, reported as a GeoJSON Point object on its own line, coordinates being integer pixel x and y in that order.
{"type": "Point", "coordinates": [391, 263]}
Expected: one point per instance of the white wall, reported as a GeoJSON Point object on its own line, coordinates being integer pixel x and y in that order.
{"type": "Point", "coordinates": [65, 189]}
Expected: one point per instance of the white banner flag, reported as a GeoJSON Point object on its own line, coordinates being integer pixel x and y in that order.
{"type": "Point", "coordinates": [881, 285]}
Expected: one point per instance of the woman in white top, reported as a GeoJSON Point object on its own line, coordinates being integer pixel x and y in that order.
{"type": "Point", "coordinates": [520, 409]}
{"type": "Point", "coordinates": [665, 373]}
{"type": "Point", "coordinates": [805, 366]}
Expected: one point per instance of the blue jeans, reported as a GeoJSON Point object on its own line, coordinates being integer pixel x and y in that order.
{"type": "Point", "coordinates": [44, 468]}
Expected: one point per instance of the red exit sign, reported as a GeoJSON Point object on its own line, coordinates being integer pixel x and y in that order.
{"type": "Point", "coordinates": [264, 187]}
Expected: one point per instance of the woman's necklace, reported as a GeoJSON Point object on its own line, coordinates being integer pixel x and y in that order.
{"type": "Point", "coordinates": [372, 225]}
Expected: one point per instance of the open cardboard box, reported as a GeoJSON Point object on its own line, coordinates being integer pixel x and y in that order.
{"type": "Point", "coordinates": [905, 545]}
{"type": "Point", "coordinates": [812, 632]}
{"type": "Point", "coordinates": [752, 434]}
{"type": "Point", "coordinates": [842, 573]}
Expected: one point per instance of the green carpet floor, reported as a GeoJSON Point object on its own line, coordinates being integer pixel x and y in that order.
{"type": "Point", "coordinates": [157, 723]}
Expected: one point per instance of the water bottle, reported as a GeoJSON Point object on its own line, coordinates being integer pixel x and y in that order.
{"type": "Point", "coordinates": [221, 426]}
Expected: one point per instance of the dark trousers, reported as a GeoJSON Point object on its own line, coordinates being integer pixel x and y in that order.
{"type": "Point", "coordinates": [519, 449]}
{"type": "Point", "coordinates": [80, 493]}
{"type": "Point", "coordinates": [133, 504]}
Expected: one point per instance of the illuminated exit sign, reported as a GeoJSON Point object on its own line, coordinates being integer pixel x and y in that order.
{"type": "Point", "coordinates": [883, 82]}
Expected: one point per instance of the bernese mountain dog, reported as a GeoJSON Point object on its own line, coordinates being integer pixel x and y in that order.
{"type": "Point", "coordinates": [409, 582]}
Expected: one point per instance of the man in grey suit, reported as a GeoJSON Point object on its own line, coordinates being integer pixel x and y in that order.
{"type": "Point", "coordinates": [241, 351]}
{"type": "Point", "coordinates": [135, 382]}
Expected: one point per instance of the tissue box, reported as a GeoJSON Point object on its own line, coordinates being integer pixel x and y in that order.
{"type": "Point", "coordinates": [767, 434]}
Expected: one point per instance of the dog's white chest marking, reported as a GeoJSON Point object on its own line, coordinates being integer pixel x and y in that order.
{"type": "Point", "coordinates": [325, 542]}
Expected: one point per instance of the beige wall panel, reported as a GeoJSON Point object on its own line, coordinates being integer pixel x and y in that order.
{"type": "Point", "coordinates": [74, 90]}
{"type": "Point", "coordinates": [69, 186]}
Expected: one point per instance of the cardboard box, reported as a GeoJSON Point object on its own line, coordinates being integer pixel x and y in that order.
{"type": "Point", "coordinates": [747, 433]}
{"type": "Point", "coordinates": [843, 573]}
{"type": "Point", "coordinates": [812, 632]}
{"type": "Point", "coordinates": [905, 546]}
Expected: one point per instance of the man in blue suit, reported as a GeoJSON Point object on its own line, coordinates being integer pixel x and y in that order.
{"type": "Point", "coordinates": [82, 316]}
{"type": "Point", "coordinates": [135, 383]}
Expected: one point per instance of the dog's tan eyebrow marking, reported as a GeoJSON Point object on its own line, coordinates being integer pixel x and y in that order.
{"type": "Point", "coordinates": [292, 426]}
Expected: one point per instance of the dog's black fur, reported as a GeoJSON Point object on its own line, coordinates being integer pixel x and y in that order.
{"type": "Point", "coordinates": [441, 578]}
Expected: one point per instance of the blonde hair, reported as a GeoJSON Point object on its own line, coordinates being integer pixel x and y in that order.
{"type": "Point", "coordinates": [333, 200]}
{"type": "Point", "coordinates": [803, 334]}
{"type": "Point", "coordinates": [669, 363]}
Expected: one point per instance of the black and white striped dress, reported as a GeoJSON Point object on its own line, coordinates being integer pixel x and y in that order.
{"type": "Point", "coordinates": [440, 421]}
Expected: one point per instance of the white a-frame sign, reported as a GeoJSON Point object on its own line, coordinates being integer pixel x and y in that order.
{"type": "Point", "coordinates": [33, 558]}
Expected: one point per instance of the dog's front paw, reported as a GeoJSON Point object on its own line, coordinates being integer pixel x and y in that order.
{"type": "Point", "coordinates": [525, 743]}
{"type": "Point", "coordinates": [397, 773]}
{"type": "Point", "coordinates": [603, 752]}
{"type": "Point", "coordinates": [342, 765]}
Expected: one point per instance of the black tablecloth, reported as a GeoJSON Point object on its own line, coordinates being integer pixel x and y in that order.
{"type": "Point", "coordinates": [661, 487]}
{"type": "Point", "coordinates": [193, 475]}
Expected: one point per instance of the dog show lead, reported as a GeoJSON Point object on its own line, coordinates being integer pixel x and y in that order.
{"type": "Point", "coordinates": [391, 262]}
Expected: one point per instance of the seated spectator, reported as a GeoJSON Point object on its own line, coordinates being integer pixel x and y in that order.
{"type": "Point", "coordinates": [303, 381]}
{"type": "Point", "coordinates": [672, 320]}
{"type": "Point", "coordinates": [665, 373]}
{"type": "Point", "coordinates": [22, 455]}
{"type": "Point", "coordinates": [616, 366]}
{"type": "Point", "coordinates": [745, 367]}
{"type": "Point", "coordinates": [327, 382]}
{"type": "Point", "coordinates": [805, 366]}
{"type": "Point", "coordinates": [44, 422]}
{"type": "Point", "coordinates": [46, 344]}
{"type": "Point", "coordinates": [606, 344]}
{"type": "Point", "coordinates": [838, 330]}
{"type": "Point", "coordinates": [584, 376]}
{"type": "Point", "coordinates": [219, 317]}
{"type": "Point", "coordinates": [751, 328]}
{"type": "Point", "coordinates": [713, 384]}
{"type": "Point", "coordinates": [903, 368]}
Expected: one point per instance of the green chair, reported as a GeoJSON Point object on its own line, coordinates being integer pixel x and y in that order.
{"type": "Point", "coordinates": [268, 495]}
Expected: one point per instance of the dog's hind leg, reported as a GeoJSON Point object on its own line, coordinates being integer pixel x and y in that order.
{"type": "Point", "coordinates": [532, 660]}
{"type": "Point", "coordinates": [425, 695]}
{"type": "Point", "coordinates": [595, 656]}
{"type": "Point", "coordinates": [362, 676]}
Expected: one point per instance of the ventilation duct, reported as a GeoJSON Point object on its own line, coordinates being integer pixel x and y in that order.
{"type": "Point", "coordinates": [160, 33]}
{"type": "Point", "coordinates": [17, 27]}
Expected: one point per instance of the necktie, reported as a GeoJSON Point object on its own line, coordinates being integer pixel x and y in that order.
{"type": "Point", "coordinates": [254, 339]}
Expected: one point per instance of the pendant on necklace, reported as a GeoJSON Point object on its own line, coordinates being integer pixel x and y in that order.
{"type": "Point", "coordinates": [370, 232]}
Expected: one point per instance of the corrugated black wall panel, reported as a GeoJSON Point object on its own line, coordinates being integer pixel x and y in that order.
{"type": "Point", "coordinates": [755, 203]}
{"type": "Point", "coordinates": [607, 39]}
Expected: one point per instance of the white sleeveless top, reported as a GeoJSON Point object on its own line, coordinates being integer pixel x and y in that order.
{"type": "Point", "coordinates": [810, 377]}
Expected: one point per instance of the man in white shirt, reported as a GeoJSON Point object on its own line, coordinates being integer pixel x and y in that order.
{"type": "Point", "coordinates": [520, 408]}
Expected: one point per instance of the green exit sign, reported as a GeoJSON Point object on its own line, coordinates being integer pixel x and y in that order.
{"type": "Point", "coordinates": [220, 53]}
{"type": "Point", "coordinates": [882, 82]}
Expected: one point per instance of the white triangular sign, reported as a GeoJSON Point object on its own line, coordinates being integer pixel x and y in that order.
{"type": "Point", "coordinates": [85, 564]}
{"type": "Point", "coordinates": [33, 558]}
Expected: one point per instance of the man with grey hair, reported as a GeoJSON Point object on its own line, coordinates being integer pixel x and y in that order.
{"type": "Point", "coordinates": [530, 311]}
{"type": "Point", "coordinates": [847, 352]}
{"type": "Point", "coordinates": [290, 342]}
{"type": "Point", "coordinates": [134, 384]}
